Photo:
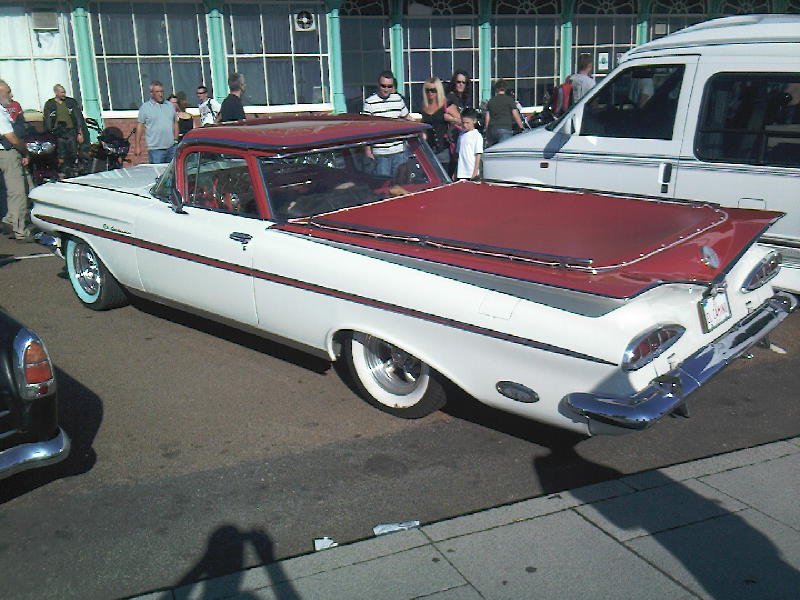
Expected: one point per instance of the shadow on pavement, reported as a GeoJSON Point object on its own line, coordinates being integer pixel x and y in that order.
{"type": "Point", "coordinates": [233, 335]}
{"type": "Point", "coordinates": [717, 550]}
{"type": "Point", "coordinates": [225, 555]}
{"type": "Point", "coordinates": [80, 413]}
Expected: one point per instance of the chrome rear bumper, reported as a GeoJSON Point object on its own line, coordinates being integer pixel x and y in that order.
{"type": "Point", "coordinates": [34, 455]}
{"type": "Point", "coordinates": [668, 392]}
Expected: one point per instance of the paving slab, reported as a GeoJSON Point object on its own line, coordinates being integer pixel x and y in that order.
{"type": "Point", "coordinates": [520, 511]}
{"type": "Point", "coordinates": [748, 484]}
{"type": "Point", "coordinates": [746, 556]}
{"type": "Point", "coordinates": [711, 465]}
{"type": "Point", "coordinates": [554, 556]}
{"type": "Point", "coordinates": [658, 509]}
{"type": "Point", "coordinates": [410, 574]}
{"type": "Point", "coordinates": [465, 592]}
{"type": "Point", "coordinates": [304, 566]}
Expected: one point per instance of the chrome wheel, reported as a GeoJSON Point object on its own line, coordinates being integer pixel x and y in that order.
{"type": "Point", "coordinates": [393, 369]}
{"type": "Point", "coordinates": [87, 271]}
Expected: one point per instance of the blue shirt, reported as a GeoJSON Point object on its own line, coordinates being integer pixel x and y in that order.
{"type": "Point", "coordinates": [159, 120]}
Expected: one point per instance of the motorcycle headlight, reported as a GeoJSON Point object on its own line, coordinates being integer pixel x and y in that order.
{"type": "Point", "coordinates": [765, 270]}
{"type": "Point", "coordinates": [47, 147]}
{"type": "Point", "coordinates": [110, 148]}
{"type": "Point", "coordinates": [646, 347]}
{"type": "Point", "coordinates": [33, 147]}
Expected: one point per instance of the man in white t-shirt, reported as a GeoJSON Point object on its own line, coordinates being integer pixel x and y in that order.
{"type": "Point", "coordinates": [13, 159]}
{"type": "Point", "coordinates": [386, 102]}
{"type": "Point", "coordinates": [470, 147]}
{"type": "Point", "coordinates": [582, 80]}
{"type": "Point", "coordinates": [208, 107]}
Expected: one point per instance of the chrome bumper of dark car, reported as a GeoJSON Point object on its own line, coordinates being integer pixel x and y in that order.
{"type": "Point", "coordinates": [34, 455]}
{"type": "Point", "coordinates": [668, 392]}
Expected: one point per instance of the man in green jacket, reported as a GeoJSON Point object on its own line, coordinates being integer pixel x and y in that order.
{"type": "Point", "coordinates": [63, 117]}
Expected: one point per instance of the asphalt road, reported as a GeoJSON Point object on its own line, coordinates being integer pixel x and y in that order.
{"type": "Point", "coordinates": [199, 450]}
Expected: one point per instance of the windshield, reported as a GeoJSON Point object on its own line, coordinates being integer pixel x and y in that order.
{"type": "Point", "coordinates": [312, 183]}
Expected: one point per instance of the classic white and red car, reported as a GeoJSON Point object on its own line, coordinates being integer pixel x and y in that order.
{"type": "Point", "coordinates": [591, 313]}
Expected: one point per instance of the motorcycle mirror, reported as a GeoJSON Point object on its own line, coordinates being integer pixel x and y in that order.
{"type": "Point", "coordinates": [176, 202]}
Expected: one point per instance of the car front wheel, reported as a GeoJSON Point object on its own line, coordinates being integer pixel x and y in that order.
{"type": "Point", "coordinates": [391, 379]}
{"type": "Point", "coordinates": [91, 281]}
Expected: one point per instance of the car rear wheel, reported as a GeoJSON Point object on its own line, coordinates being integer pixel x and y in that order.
{"type": "Point", "coordinates": [91, 281]}
{"type": "Point", "coordinates": [391, 379]}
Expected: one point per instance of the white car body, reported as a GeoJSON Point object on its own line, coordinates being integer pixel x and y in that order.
{"type": "Point", "coordinates": [757, 48]}
{"type": "Point", "coordinates": [558, 350]}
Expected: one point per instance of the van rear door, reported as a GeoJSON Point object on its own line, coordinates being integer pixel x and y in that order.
{"type": "Point", "coordinates": [626, 135]}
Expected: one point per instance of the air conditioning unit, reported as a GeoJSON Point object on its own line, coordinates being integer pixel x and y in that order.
{"type": "Point", "coordinates": [44, 20]}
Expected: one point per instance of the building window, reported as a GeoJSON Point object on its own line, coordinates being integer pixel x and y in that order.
{"type": "Point", "coordinates": [526, 47]}
{"type": "Point", "coordinates": [793, 7]}
{"type": "Point", "coordinates": [668, 17]}
{"type": "Point", "coordinates": [365, 48]}
{"type": "Point", "coordinates": [606, 29]}
{"type": "Point", "coordinates": [745, 7]}
{"type": "Point", "coordinates": [136, 43]}
{"type": "Point", "coordinates": [37, 51]}
{"type": "Point", "coordinates": [282, 50]}
{"type": "Point", "coordinates": [751, 119]}
{"type": "Point", "coordinates": [441, 36]}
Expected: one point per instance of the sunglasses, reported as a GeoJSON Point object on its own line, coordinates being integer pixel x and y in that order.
{"type": "Point", "coordinates": [431, 90]}
{"type": "Point", "coordinates": [387, 87]}
{"type": "Point", "coordinates": [201, 93]}
{"type": "Point", "coordinates": [461, 81]}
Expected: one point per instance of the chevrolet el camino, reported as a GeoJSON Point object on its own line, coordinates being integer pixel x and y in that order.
{"type": "Point", "coordinates": [597, 314]}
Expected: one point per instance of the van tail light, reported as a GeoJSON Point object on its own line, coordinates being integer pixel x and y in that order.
{"type": "Point", "coordinates": [765, 270]}
{"type": "Point", "coordinates": [646, 347]}
{"type": "Point", "coordinates": [32, 366]}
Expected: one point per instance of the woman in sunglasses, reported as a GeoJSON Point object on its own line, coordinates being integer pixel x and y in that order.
{"type": "Point", "coordinates": [433, 113]}
{"type": "Point", "coordinates": [459, 98]}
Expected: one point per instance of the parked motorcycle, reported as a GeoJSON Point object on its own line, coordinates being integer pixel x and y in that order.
{"type": "Point", "coordinates": [110, 150]}
{"type": "Point", "coordinates": [43, 163]}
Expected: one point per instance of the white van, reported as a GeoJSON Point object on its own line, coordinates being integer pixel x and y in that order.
{"type": "Point", "coordinates": [709, 113]}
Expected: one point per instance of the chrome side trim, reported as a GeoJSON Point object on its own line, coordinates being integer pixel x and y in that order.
{"type": "Point", "coordinates": [34, 455]}
{"type": "Point", "coordinates": [669, 392]}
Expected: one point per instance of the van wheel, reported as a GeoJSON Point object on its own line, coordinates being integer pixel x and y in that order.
{"type": "Point", "coordinates": [91, 281]}
{"type": "Point", "coordinates": [391, 379]}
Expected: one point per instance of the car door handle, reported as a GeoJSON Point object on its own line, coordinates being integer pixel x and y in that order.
{"type": "Point", "coordinates": [238, 236]}
{"type": "Point", "coordinates": [664, 176]}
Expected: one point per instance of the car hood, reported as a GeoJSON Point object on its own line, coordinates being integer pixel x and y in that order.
{"type": "Point", "coordinates": [135, 180]}
{"type": "Point", "coordinates": [612, 246]}
{"type": "Point", "coordinates": [536, 140]}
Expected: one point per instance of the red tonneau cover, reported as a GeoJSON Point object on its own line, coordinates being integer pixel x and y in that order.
{"type": "Point", "coordinates": [616, 247]}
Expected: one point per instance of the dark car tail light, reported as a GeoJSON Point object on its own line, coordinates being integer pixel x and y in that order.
{"type": "Point", "coordinates": [646, 347]}
{"type": "Point", "coordinates": [32, 365]}
{"type": "Point", "coordinates": [765, 270]}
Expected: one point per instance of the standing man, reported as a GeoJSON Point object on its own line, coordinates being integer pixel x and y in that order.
{"type": "Point", "coordinates": [158, 120]}
{"type": "Point", "coordinates": [208, 107]}
{"type": "Point", "coordinates": [502, 113]}
{"type": "Point", "coordinates": [13, 158]}
{"type": "Point", "coordinates": [386, 102]}
{"type": "Point", "coordinates": [232, 108]}
{"type": "Point", "coordinates": [583, 80]}
{"type": "Point", "coordinates": [63, 118]}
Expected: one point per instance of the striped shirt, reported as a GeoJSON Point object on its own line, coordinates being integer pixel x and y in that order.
{"type": "Point", "coordinates": [392, 107]}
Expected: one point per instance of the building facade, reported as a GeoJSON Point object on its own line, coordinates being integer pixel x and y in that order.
{"type": "Point", "coordinates": [323, 55]}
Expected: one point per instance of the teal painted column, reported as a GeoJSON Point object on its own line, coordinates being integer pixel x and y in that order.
{"type": "Point", "coordinates": [485, 50]}
{"type": "Point", "coordinates": [396, 42]}
{"type": "Point", "coordinates": [87, 69]}
{"type": "Point", "coordinates": [218, 56]}
{"type": "Point", "coordinates": [565, 66]}
{"type": "Point", "coordinates": [643, 22]}
{"type": "Point", "coordinates": [335, 56]}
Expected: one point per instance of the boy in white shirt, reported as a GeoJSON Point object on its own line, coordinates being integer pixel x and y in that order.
{"type": "Point", "coordinates": [470, 147]}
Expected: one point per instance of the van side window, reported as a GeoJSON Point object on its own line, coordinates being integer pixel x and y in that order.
{"type": "Point", "coordinates": [751, 118]}
{"type": "Point", "coordinates": [640, 102]}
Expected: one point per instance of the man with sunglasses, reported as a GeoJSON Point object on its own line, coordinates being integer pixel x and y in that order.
{"type": "Point", "coordinates": [208, 107]}
{"type": "Point", "coordinates": [387, 103]}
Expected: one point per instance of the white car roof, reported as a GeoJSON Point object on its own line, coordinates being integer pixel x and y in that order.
{"type": "Point", "coordinates": [743, 29]}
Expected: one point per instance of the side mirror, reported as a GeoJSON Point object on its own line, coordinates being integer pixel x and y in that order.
{"type": "Point", "coordinates": [176, 202]}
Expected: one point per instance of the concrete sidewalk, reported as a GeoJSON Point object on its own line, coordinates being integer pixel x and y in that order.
{"type": "Point", "coordinates": [722, 527]}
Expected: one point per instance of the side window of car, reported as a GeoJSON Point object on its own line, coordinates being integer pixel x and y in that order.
{"type": "Point", "coordinates": [640, 102]}
{"type": "Point", "coordinates": [165, 184]}
{"type": "Point", "coordinates": [219, 182]}
{"type": "Point", "coordinates": [751, 118]}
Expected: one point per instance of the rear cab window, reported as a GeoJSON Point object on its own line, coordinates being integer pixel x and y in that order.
{"type": "Point", "coordinates": [750, 118]}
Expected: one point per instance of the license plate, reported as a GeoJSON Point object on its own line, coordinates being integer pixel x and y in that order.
{"type": "Point", "coordinates": [714, 310]}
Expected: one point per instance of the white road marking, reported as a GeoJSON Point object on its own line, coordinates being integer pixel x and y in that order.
{"type": "Point", "coordinates": [11, 259]}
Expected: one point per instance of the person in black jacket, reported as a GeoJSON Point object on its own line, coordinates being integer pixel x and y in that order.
{"type": "Point", "coordinates": [232, 108]}
{"type": "Point", "coordinates": [64, 118]}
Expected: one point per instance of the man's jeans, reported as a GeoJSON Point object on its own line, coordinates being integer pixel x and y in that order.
{"type": "Point", "coordinates": [500, 134]}
{"type": "Point", "coordinates": [386, 165]}
{"type": "Point", "coordinates": [165, 155]}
